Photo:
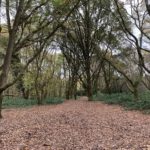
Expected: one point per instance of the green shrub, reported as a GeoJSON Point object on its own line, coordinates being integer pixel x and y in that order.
{"type": "Point", "coordinates": [126, 100]}
{"type": "Point", "coordinates": [20, 102]}
{"type": "Point", "coordinates": [55, 100]}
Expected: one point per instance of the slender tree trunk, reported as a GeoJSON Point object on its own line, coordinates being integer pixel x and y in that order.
{"type": "Point", "coordinates": [26, 94]}
{"type": "Point", "coordinates": [68, 87]}
{"type": "Point", "coordinates": [89, 89]}
{"type": "Point", "coordinates": [108, 88]}
{"type": "Point", "coordinates": [68, 90]}
{"type": "Point", "coordinates": [39, 101]}
{"type": "Point", "coordinates": [1, 99]}
{"type": "Point", "coordinates": [136, 95]}
{"type": "Point", "coordinates": [9, 50]}
{"type": "Point", "coordinates": [38, 96]}
{"type": "Point", "coordinates": [75, 90]}
{"type": "Point", "coordinates": [107, 79]}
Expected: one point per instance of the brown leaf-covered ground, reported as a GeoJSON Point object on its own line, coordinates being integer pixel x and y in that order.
{"type": "Point", "coordinates": [74, 125]}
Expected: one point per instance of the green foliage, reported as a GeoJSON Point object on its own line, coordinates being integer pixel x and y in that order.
{"type": "Point", "coordinates": [28, 80]}
{"type": "Point", "coordinates": [126, 100]}
{"type": "Point", "coordinates": [15, 102]}
{"type": "Point", "coordinates": [55, 100]}
{"type": "Point", "coordinates": [3, 41]}
{"type": "Point", "coordinates": [58, 2]}
{"type": "Point", "coordinates": [61, 5]}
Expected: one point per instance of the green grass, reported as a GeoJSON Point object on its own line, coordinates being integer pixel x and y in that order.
{"type": "Point", "coordinates": [14, 102]}
{"type": "Point", "coordinates": [126, 100]}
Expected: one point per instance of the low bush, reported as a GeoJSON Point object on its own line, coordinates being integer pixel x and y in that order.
{"type": "Point", "coordinates": [14, 102]}
{"type": "Point", "coordinates": [126, 100]}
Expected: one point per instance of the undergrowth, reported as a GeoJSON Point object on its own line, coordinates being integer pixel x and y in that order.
{"type": "Point", "coordinates": [126, 100]}
{"type": "Point", "coordinates": [14, 102]}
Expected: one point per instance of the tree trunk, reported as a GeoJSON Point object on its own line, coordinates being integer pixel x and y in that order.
{"type": "Point", "coordinates": [136, 95]}
{"type": "Point", "coordinates": [89, 94]}
{"type": "Point", "coordinates": [67, 92]}
{"type": "Point", "coordinates": [26, 94]}
{"type": "Point", "coordinates": [39, 100]}
{"type": "Point", "coordinates": [89, 83]}
{"type": "Point", "coordinates": [1, 100]}
{"type": "Point", "coordinates": [75, 91]}
{"type": "Point", "coordinates": [108, 89]}
{"type": "Point", "coordinates": [107, 79]}
{"type": "Point", "coordinates": [68, 88]}
{"type": "Point", "coordinates": [89, 90]}
{"type": "Point", "coordinates": [39, 97]}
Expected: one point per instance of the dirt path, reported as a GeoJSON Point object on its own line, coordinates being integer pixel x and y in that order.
{"type": "Point", "coordinates": [75, 125]}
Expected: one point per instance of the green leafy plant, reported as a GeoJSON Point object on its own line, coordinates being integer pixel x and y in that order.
{"type": "Point", "coordinates": [126, 100]}
{"type": "Point", "coordinates": [15, 102]}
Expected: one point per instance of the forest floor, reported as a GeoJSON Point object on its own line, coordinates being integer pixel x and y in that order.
{"type": "Point", "coordinates": [74, 125]}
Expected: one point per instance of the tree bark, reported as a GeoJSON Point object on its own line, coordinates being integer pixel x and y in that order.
{"type": "Point", "coordinates": [1, 99]}
{"type": "Point", "coordinates": [75, 90]}
{"type": "Point", "coordinates": [88, 80]}
{"type": "Point", "coordinates": [89, 88]}
{"type": "Point", "coordinates": [89, 93]}
{"type": "Point", "coordinates": [136, 95]}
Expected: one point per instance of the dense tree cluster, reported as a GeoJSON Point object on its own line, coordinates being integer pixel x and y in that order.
{"type": "Point", "coordinates": [64, 48]}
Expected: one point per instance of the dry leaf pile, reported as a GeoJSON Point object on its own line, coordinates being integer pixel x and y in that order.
{"type": "Point", "coordinates": [74, 125]}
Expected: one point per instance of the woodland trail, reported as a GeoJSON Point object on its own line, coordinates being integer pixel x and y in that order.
{"type": "Point", "coordinates": [75, 125]}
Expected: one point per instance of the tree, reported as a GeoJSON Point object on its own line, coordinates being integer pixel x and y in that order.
{"type": "Point", "coordinates": [139, 18]}
{"type": "Point", "coordinates": [30, 19]}
{"type": "Point", "coordinates": [43, 77]}
{"type": "Point", "coordinates": [89, 33]}
{"type": "Point", "coordinates": [129, 70]}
